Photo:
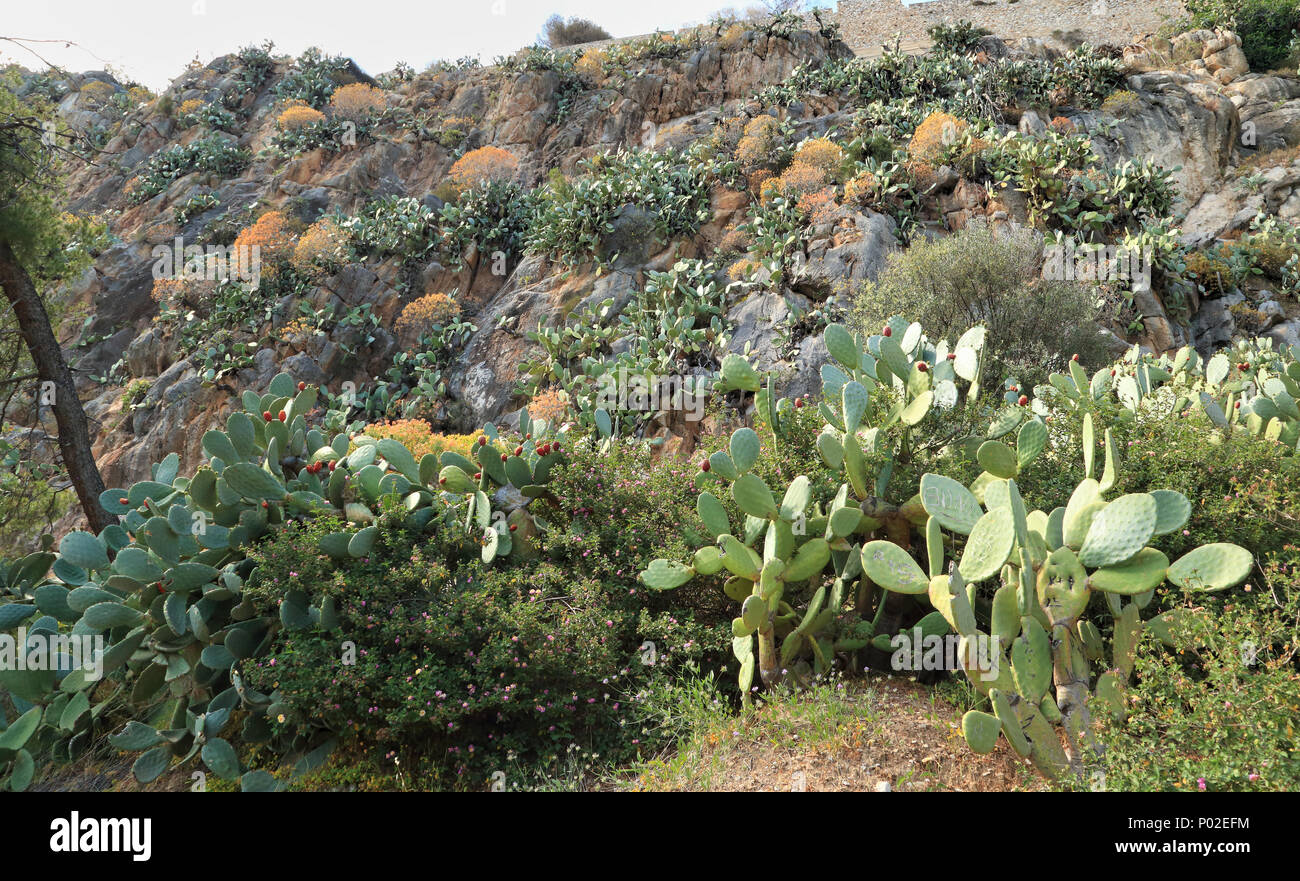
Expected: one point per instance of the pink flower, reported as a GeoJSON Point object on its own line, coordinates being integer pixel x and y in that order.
{"type": "Point", "coordinates": [1200, 783]}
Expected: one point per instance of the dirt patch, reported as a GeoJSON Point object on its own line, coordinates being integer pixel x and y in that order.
{"type": "Point", "coordinates": [856, 737]}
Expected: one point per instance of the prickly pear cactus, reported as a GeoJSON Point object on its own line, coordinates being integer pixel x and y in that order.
{"type": "Point", "coordinates": [164, 590]}
{"type": "Point", "coordinates": [1035, 661]}
{"type": "Point", "coordinates": [1250, 387]}
{"type": "Point", "coordinates": [856, 539]}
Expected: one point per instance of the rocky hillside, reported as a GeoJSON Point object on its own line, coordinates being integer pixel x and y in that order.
{"type": "Point", "coordinates": [252, 136]}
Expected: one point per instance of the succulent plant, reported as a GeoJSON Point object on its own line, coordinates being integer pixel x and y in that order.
{"type": "Point", "coordinates": [1034, 662]}
{"type": "Point", "coordinates": [165, 588]}
{"type": "Point", "coordinates": [802, 537]}
{"type": "Point", "coordinates": [1249, 387]}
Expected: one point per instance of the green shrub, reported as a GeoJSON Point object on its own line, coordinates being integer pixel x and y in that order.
{"type": "Point", "coordinates": [1218, 713]}
{"type": "Point", "coordinates": [466, 670]}
{"type": "Point", "coordinates": [558, 32]}
{"type": "Point", "coordinates": [975, 277]}
{"type": "Point", "coordinates": [960, 37]}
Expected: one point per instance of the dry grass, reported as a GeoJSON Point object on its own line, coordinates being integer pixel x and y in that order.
{"type": "Point", "coordinates": [1269, 159]}
{"type": "Point", "coordinates": [849, 738]}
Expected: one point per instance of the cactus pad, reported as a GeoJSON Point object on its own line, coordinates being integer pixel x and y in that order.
{"type": "Point", "coordinates": [1119, 531]}
{"type": "Point", "coordinates": [893, 568]}
{"type": "Point", "coordinates": [989, 545]}
{"type": "Point", "coordinates": [998, 459]}
{"type": "Point", "coordinates": [953, 505]}
{"type": "Point", "coordinates": [1212, 567]}
{"type": "Point", "coordinates": [981, 731]}
{"type": "Point", "coordinates": [1143, 571]}
{"type": "Point", "coordinates": [664, 574]}
{"type": "Point", "coordinates": [1172, 510]}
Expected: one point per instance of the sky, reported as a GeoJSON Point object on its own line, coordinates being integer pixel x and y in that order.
{"type": "Point", "coordinates": [151, 41]}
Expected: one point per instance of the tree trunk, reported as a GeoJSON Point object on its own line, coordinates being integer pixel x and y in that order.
{"type": "Point", "coordinates": [74, 433]}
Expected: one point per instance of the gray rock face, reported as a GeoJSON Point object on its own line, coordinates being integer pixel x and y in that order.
{"type": "Point", "coordinates": [1269, 107]}
{"type": "Point", "coordinates": [1184, 125]}
{"type": "Point", "coordinates": [755, 323]}
{"type": "Point", "coordinates": [1287, 333]}
{"type": "Point", "coordinates": [1213, 324]}
{"type": "Point", "coordinates": [633, 237]}
{"type": "Point", "coordinates": [857, 253]}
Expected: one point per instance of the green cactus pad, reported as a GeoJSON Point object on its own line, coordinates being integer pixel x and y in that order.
{"type": "Point", "coordinates": [753, 497]}
{"type": "Point", "coordinates": [934, 546]}
{"type": "Point", "coordinates": [1172, 510]}
{"type": "Point", "coordinates": [998, 459]}
{"type": "Point", "coordinates": [106, 616]}
{"type": "Point", "coordinates": [1143, 571]}
{"type": "Point", "coordinates": [744, 448]}
{"type": "Point", "coordinates": [941, 598]}
{"type": "Point", "coordinates": [722, 466]}
{"type": "Point", "coordinates": [708, 560]}
{"type": "Point", "coordinates": [1109, 472]}
{"type": "Point", "coordinates": [1110, 692]}
{"type": "Point", "coordinates": [1062, 586]}
{"type": "Point", "coordinates": [738, 374]}
{"type": "Point", "coordinates": [746, 679]}
{"type": "Point", "coordinates": [963, 613]}
{"type": "Point", "coordinates": [664, 574]}
{"type": "Point", "coordinates": [1212, 567]}
{"type": "Point", "coordinates": [253, 483]}
{"type": "Point", "coordinates": [737, 588]}
{"type": "Point", "coordinates": [832, 451]}
{"type": "Point", "coordinates": [742, 647]}
{"type": "Point", "coordinates": [1164, 625]}
{"type": "Point", "coordinates": [841, 345]}
{"type": "Point", "coordinates": [892, 354]}
{"type": "Point", "coordinates": [916, 410]}
{"type": "Point", "coordinates": [1124, 640]}
{"type": "Point", "coordinates": [1031, 660]}
{"type": "Point", "coordinates": [1011, 724]}
{"type": "Point", "coordinates": [83, 550]}
{"type": "Point", "coordinates": [989, 545]}
{"type": "Point", "coordinates": [796, 498]}
{"type": "Point", "coordinates": [809, 560]}
{"type": "Point", "coordinates": [738, 558]}
{"type": "Point", "coordinates": [981, 731]}
{"type": "Point", "coordinates": [893, 568]}
{"type": "Point", "coordinates": [712, 514]}
{"type": "Point", "coordinates": [997, 493]}
{"type": "Point", "coordinates": [853, 403]}
{"type": "Point", "coordinates": [1090, 636]}
{"type": "Point", "coordinates": [1084, 504]}
{"type": "Point", "coordinates": [1119, 530]}
{"type": "Point", "coordinates": [1030, 441]}
{"type": "Point", "coordinates": [844, 521]}
{"type": "Point", "coordinates": [855, 465]}
{"type": "Point", "coordinates": [754, 612]}
{"type": "Point", "coordinates": [953, 505]}
{"type": "Point", "coordinates": [1004, 620]}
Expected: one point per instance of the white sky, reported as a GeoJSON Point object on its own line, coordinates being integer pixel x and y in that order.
{"type": "Point", "coordinates": [151, 41]}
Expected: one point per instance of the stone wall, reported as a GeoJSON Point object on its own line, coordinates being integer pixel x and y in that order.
{"type": "Point", "coordinates": [867, 24]}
